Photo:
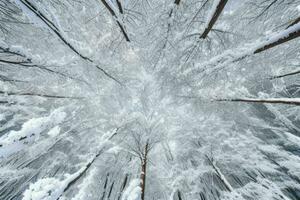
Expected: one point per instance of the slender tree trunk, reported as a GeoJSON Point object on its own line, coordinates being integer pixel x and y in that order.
{"type": "Point", "coordinates": [290, 101]}
{"type": "Point", "coordinates": [214, 18]}
{"type": "Point", "coordinates": [143, 173]}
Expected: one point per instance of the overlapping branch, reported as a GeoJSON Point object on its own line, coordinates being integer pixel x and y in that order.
{"type": "Point", "coordinates": [112, 12]}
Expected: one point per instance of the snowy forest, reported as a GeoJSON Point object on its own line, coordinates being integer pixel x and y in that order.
{"type": "Point", "coordinates": [149, 100]}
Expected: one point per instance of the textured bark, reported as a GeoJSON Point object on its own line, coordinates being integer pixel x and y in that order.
{"type": "Point", "coordinates": [215, 17]}
{"type": "Point", "coordinates": [144, 170]}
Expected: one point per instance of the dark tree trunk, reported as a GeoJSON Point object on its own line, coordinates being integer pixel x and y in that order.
{"type": "Point", "coordinates": [272, 101]}
{"type": "Point", "coordinates": [143, 173]}
{"type": "Point", "coordinates": [291, 36]}
{"type": "Point", "coordinates": [215, 17]}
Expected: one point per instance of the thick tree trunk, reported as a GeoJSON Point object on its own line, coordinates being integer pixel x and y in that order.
{"type": "Point", "coordinates": [143, 173]}
{"type": "Point", "coordinates": [214, 18]}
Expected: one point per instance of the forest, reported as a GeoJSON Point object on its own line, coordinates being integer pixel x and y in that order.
{"type": "Point", "coordinates": [149, 100]}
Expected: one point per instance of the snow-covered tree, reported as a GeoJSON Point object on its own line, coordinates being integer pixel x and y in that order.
{"type": "Point", "coordinates": [149, 99]}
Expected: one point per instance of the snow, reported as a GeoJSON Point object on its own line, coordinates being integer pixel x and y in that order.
{"type": "Point", "coordinates": [262, 189]}
{"type": "Point", "coordinates": [133, 191]}
{"type": "Point", "coordinates": [54, 131]}
{"type": "Point", "coordinates": [34, 127]}
{"type": "Point", "coordinates": [49, 188]}
{"type": "Point", "coordinates": [44, 189]}
{"type": "Point", "coordinates": [30, 132]}
{"type": "Point", "coordinates": [83, 188]}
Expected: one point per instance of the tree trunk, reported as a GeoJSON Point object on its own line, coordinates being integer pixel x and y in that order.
{"type": "Point", "coordinates": [143, 173]}
{"type": "Point", "coordinates": [291, 36]}
{"type": "Point", "coordinates": [290, 101]}
{"type": "Point", "coordinates": [214, 18]}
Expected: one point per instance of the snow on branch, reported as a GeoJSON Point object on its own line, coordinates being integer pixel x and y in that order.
{"type": "Point", "coordinates": [54, 189]}
{"type": "Point", "coordinates": [214, 14]}
{"type": "Point", "coordinates": [31, 130]}
{"type": "Point", "coordinates": [234, 55]}
{"type": "Point", "coordinates": [54, 29]}
{"type": "Point", "coordinates": [26, 62]}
